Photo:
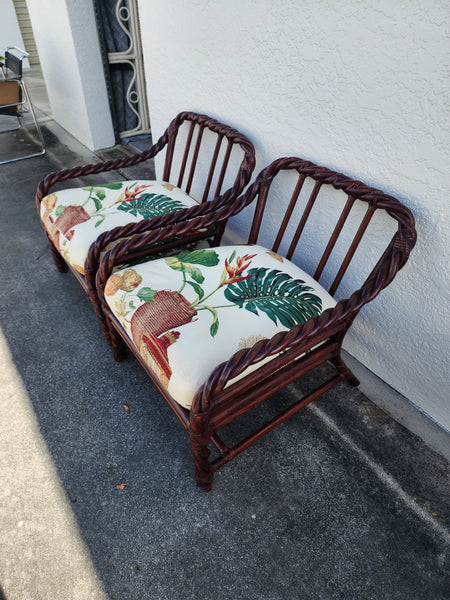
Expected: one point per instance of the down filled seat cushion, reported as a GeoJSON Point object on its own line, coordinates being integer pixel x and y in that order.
{"type": "Point", "coordinates": [188, 313]}
{"type": "Point", "coordinates": [74, 218]}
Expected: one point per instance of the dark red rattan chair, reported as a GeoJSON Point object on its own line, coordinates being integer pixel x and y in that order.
{"type": "Point", "coordinates": [200, 322]}
{"type": "Point", "coordinates": [206, 166]}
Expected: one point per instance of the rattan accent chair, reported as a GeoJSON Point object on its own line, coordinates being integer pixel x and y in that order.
{"type": "Point", "coordinates": [222, 329]}
{"type": "Point", "coordinates": [82, 222]}
{"type": "Point", "coordinates": [15, 99]}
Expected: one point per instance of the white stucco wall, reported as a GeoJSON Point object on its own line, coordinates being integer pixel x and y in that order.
{"type": "Point", "coordinates": [10, 34]}
{"type": "Point", "coordinates": [357, 86]}
{"type": "Point", "coordinates": [68, 47]}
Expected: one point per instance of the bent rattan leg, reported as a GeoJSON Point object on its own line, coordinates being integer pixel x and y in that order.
{"type": "Point", "coordinates": [60, 263]}
{"type": "Point", "coordinates": [117, 343]}
{"type": "Point", "coordinates": [93, 297]}
{"type": "Point", "coordinates": [199, 432]}
{"type": "Point", "coordinates": [344, 370]}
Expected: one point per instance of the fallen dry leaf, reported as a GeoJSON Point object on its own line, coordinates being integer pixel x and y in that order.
{"type": "Point", "coordinates": [121, 486]}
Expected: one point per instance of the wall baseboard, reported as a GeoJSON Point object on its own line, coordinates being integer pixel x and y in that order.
{"type": "Point", "coordinates": [400, 408]}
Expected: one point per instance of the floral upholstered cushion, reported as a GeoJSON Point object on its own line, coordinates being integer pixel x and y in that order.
{"type": "Point", "coordinates": [188, 313]}
{"type": "Point", "coordinates": [74, 218]}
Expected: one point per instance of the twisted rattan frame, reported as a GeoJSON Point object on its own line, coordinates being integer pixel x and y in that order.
{"type": "Point", "coordinates": [218, 402]}
{"type": "Point", "coordinates": [166, 141]}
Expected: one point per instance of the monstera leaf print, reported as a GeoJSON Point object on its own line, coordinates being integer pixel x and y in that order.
{"type": "Point", "coordinates": [277, 294]}
{"type": "Point", "coordinates": [151, 205]}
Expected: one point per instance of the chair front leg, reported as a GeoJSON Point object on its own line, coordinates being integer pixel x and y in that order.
{"type": "Point", "coordinates": [200, 434]}
{"type": "Point", "coordinates": [340, 365]}
{"type": "Point", "coordinates": [93, 297]}
{"type": "Point", "coordinates": [60, 263]}
{"type": "Point", "coordinates": [117, 343]}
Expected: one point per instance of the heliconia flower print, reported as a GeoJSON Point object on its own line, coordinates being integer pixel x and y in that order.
{"type": "Point", "coordinates": [241, 265]}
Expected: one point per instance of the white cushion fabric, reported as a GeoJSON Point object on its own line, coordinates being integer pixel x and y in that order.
{"type": "Point", "coordinates": [74, 218]}
{"type": "Point", "coordinates": [188, 313]}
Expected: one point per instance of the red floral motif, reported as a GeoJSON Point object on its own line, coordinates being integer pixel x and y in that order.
{"type": "Point", "coordinates": [242, 263]}
{"type": "Point", "coordinates": [133, 194]}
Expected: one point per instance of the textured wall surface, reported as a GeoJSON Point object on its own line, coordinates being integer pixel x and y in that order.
{"type": "Point", "coordinates": [68, 48]}
{"type": "Point", "coordinates": [10, 34]}
{"type": "Point", "coordinates": [357, 86]}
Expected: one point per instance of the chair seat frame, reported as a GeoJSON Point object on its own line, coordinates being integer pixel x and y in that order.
{"type": "Point", "coordinates": [294, 352]}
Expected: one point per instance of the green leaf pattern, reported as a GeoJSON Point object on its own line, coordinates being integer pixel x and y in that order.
{"type": "Point", "coordinates": [146, 294]}
{"type": "Point", "coordinates": [132, 200]}
{"type": "Point", "coordinates": [151, 205]}
{"type": "Point", "coordinates": [206, 258]}
{"type": "Point", "coordinates": [282, 298]}
{"type": "Point", "coordinates": [262, 291]}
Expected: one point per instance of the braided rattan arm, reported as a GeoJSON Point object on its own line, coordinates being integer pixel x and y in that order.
{"type": "Point", "coordinates": [100, 167]}
{"type": "Point", "coordinates": [120, 252]}
{"type": "Point", "coordinates": [187, 214]}
{"type": "Point", "coordinates": [189, 218]}
{"type": "Point", "coordinates": [146, 226]}
{"type": "Point", "coordinates": [303, 336]}
{"type": "Point", "coordinates": [149, 240]}
{"type": "Point", "coordinates": [156, 230]}
{"type": "Point", "coordinates": [111, 165]}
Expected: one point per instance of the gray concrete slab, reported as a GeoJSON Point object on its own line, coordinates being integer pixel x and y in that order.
{"type": "Point", "coordinates": [340, 502]}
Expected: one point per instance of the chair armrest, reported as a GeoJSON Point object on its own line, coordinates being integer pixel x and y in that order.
{"type": "Point", "coordinates": [285, 348]}
{"type": "Point", "coordinates": [146, 234]}
{"type": "Point", "coordinates": [100, 167]}
{"type": "Point", "coordinates": [304, 337]}
{"type": "Point", "coordinates": [190, 219]}
{"type": "Point", "coordinates": [151, 233]}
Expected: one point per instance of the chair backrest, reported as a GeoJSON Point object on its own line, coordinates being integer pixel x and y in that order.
{"type": "Point", "coordinates": [203, 152]}
{"type": "Point", "coordinates": [14, 60]}
{"type": "Point", "coordinates": [10, 97]}
{"type": "Point", "coordinates": [327, 227]}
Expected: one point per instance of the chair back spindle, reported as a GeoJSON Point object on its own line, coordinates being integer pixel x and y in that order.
{"type": "Point", "coordinates": [194, 158]}
{"type": "Point", "coordinates": [193, 154]}
{"type": "Point", "coordinates": [352, 249]}
{"type": "Point", "coordinates": [225, 162]}
{"type": "Point", "coordinates": [185, 155]}
{"type": "Point", "coordinates": [359, 198]}
{"type": "Point", "coordinates": [289, 211]}
{"type": "Point", "coordinates": [334, 237]}
{"type": "Point", "coordinates": [212, 168]}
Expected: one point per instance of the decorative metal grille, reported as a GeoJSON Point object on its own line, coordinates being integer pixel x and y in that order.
{"type": "Point", "coordinates": [118, 22]}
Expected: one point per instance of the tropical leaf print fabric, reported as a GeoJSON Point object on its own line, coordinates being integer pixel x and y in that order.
{"type": "Point", "coordinates": [284, 299]}
{"type": "Point", "coordinates": [74, 218]}
{"type": "Point", "coordinates": [188, 313]}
